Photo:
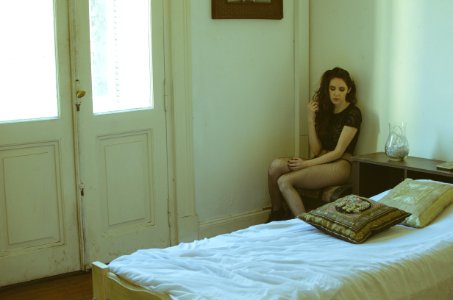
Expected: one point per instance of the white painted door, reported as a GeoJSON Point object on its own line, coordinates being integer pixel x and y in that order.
{"type": "Point", "coordinates": [121, 126]}
{"type": "Point", "coordinates": [38, 205]}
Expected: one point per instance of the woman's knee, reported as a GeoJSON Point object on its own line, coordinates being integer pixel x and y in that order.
{"type": "Point", "coordinates": [284, 182]}
{"type": "Point", "coordinates": [278, 167]}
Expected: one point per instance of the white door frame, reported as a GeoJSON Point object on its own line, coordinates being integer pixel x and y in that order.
{"type": "Point", "coordinates": [183, 217]}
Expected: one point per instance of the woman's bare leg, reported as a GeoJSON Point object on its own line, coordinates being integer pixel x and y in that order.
{"type": "Point", "coordinates": [277, 168]}
{"type": "Point", "coordinates": [315, 177]}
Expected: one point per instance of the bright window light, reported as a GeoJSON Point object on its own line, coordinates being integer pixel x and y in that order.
{"type": "Point", "coordinates": [120, 55]}
{"type": "Point", "coordinates": [27, 61]}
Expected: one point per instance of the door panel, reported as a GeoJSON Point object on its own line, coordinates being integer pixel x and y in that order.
{"type": "Point", "coordinates": [37, 167]}
{"type": "Point", "coordinates": [125, 160]}
{"type": "Point", "coordinates": [38, 197]}
{"type": "Point", "coordinates": [122, 150]}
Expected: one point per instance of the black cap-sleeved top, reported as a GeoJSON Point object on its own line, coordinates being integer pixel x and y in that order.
{"type": "Point", "coordinates": [351, 116]}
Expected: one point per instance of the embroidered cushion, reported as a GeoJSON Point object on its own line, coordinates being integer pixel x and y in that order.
{"type": "Point", "coordinates": [353, 218]}
{"type": "Point", "coordinates": [425, 200]}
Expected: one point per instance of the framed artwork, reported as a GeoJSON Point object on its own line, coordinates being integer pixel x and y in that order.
{"type": "Point", "coordinates": [247, 9]}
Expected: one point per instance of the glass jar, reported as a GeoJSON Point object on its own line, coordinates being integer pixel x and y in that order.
{"type": "Point", "coordinates": [397, 146]}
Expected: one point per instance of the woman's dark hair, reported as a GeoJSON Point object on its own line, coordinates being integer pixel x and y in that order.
{"type": "Point", "coordinates": [321, 96]}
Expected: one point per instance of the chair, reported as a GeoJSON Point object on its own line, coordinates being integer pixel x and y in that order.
{"type": "Point", "coordinates": [314, 198]}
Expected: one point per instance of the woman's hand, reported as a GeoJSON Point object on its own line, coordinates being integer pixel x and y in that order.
{"type": "Point", "coordinates": [312, 108]}
{"type": "Point", "coordinates": [295, 163]}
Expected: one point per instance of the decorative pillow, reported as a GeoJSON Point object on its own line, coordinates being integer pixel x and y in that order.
{"type": "Point", "coordinates": [353, 218]}
{"type": "Point", "coordinates": [425, 200]}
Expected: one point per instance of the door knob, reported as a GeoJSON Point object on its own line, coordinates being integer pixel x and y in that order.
{"type": "Point", "coordinates": [80, 94]}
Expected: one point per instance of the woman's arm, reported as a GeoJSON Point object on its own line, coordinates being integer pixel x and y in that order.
{"type": "Point", "coordinates": [347, 134]}
{"type": "Point", "coordinates": [313, 139]}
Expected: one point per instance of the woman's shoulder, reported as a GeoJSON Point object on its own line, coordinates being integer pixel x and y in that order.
{"type": "Point", "coordinates": [353, 110]}
{"type": "Point", "coordinates": [353, 107]}
{"type": "Point", "coordinates": [352, 115]}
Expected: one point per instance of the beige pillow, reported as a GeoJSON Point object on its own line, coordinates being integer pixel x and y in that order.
{"type": "Point", "coordinates": [353, 218]}
{"type": "Point", "coordinates": [424, 200]}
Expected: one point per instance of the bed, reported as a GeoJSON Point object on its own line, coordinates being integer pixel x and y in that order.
{"type": "Point", "coordinates": [289, 260]}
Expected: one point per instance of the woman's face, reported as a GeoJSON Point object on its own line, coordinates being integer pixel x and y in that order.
{"type": "Point", "coordinates": [338, 91]}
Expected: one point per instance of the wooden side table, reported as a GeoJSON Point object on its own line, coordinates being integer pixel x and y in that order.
{"type": "Point", "coordinates": [375, 172]}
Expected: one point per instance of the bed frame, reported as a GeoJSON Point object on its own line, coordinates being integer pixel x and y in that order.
{"type": "Point", "coordinates": [108, 286]}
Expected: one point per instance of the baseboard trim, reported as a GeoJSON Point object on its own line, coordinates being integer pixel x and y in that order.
{"type": "Point", "coordinates": [232, 223]}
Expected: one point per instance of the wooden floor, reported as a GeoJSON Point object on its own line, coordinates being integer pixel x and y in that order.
{"type": "Point", "coordinates": [69, 287]}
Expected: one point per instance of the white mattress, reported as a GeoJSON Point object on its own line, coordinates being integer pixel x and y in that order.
{"type": "Point", "coordinates": [293, 260]}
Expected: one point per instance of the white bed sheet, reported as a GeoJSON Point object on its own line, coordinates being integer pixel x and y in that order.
{"type": "Point", "coordinates": [293, 260]}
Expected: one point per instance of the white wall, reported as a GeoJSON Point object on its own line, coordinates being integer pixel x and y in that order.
{"type": "Point", "coordinates": [243, 108]}
{"type": "Point", "coordinates": [244, 85]}
{"type": "Point", "coordinates": [400, 53]}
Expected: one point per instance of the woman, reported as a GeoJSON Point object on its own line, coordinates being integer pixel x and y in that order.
{"type": "Point", "coordinates": [333, 129]}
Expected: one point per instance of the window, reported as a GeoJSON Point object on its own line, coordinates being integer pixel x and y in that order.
{"type": "Point", "coordinates": [120, 55]}
{"type": "Point", "coordinates": [28, 61]}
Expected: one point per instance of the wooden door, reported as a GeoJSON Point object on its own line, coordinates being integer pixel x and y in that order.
{"type": "Point", "coordinates": [38, 204]}
{"type": "Point", "coordinates": [121, 126]}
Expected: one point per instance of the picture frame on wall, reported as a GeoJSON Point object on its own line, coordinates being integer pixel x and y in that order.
{"type": "Point", "coordinates": [247, 9]}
